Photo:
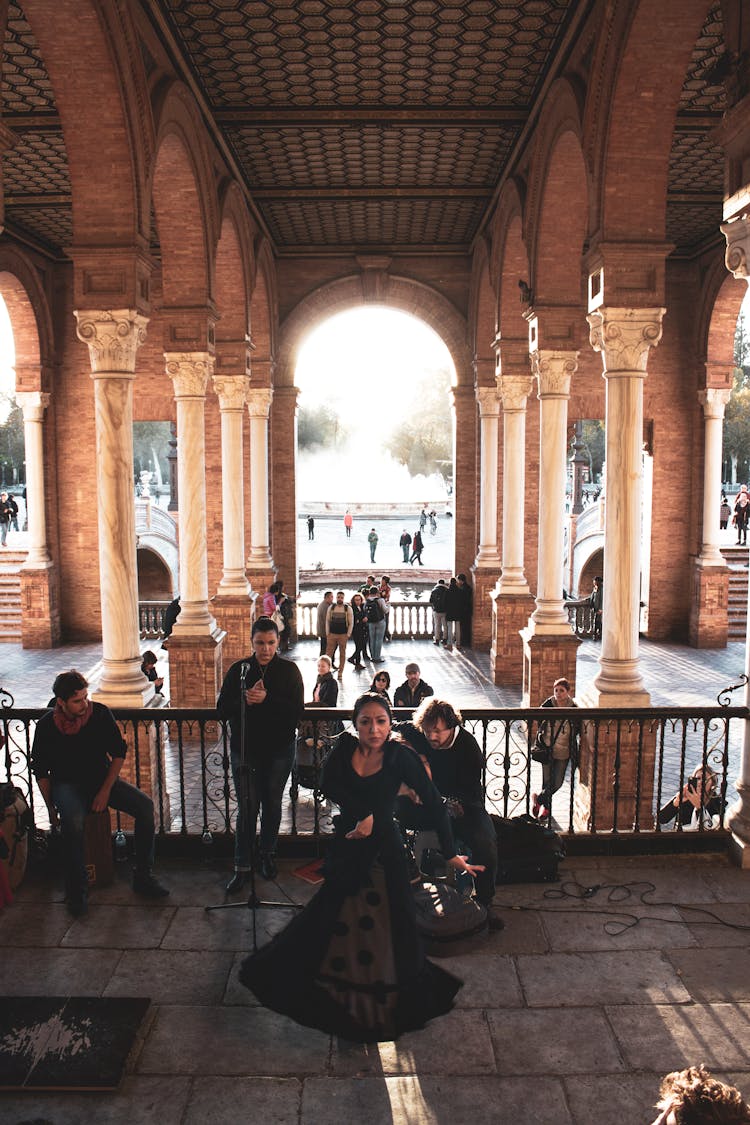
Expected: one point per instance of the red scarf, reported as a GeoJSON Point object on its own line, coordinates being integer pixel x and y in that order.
{"type": "Point", "coordinates": [66, 725]}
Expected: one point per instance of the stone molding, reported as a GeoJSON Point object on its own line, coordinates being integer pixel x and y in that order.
{"type": "Point", "coordinates": [231, 391]}
{"type": "Point", "coordinates": [33, 404]}
{"type": "Point", "coordinates": [714, 401]}
{"type": "Point", "coordinates": [488, 401]}
{"type": "Point", "coordinates": [737, 234]}
{"type": "Point", "coordinates": [113, 337]}
{"type": "Point", "coordinates": [189, 372]}
{"type": "Point", "coordinates": [259, 401]}
{"type": "Point", "coordinates": [514, 391]}
{"type": "Point", "coordinates": [624, 337]}
{"type": "Point", "coordinates": [553, 371]}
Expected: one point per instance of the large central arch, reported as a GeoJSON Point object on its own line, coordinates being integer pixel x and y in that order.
{"type": "Point", "coordinates": [426, 304]}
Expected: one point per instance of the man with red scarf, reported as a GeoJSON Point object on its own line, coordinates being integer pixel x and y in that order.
{"type": "Point", "coordinates": [76, 757]}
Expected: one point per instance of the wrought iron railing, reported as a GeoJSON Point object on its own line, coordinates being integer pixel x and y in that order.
{"type": "Point", "coordinates": [635, 762]}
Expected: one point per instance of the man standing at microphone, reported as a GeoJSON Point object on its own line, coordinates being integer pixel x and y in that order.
{"type": "Point", "coordinates": [270, 692]}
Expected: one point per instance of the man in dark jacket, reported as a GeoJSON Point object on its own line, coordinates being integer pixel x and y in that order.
{"type": "Point", "coordinates": [8, 515]}
{"type": "Point", "coordinates": [77, 756]}
{"type": "Point", "coordinates": [413, 690]}
{"type": "Point", "coordinates": [454, 760]}
{"type": "Point", "coordinates": [264, 695]}
{"type": "Point", "coordinates": [439, 603]}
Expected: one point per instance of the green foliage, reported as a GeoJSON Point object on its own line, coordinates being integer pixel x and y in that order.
{"type": "Point", "coordinates": [150, 449]}
{"type": "Point", "coordinates": [12, 448]}
{"type": "Point", "coordinates": [594, 443]}
{"type": "Point", "coordinates": [319, 427]}
{"type": "Point", "coordinates": [737, 421]}
{"type": "Point", "coordinates": [424, 439]}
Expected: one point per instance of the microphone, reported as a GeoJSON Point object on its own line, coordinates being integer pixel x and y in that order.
{"type": "Point", "coordinates": [244, 669]}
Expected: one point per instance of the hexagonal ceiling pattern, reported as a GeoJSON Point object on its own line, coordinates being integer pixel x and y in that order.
{"type": "Point", "coordinates": [358, 125]}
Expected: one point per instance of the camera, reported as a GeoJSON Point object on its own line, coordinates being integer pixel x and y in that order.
{"type": "Point", "coordinates": [692, 784]}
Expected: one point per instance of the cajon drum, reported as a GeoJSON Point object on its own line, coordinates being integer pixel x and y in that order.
{"type": "Point", "coordinates": [97, 849]}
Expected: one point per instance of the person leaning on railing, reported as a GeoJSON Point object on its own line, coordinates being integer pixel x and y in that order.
{"type": "Point", "coordinates": [561, 738]}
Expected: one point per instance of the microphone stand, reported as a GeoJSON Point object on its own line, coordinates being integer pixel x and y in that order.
{"type": "Point", "coordinates": [243, 800]}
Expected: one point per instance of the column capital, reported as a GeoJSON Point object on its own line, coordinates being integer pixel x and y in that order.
{"type": "Point", "coordinates": [113, 337]}
{"type": "Point", "coordinates": [554, 370]}
{"type": "Point", "coordinates": [231, 391]}
{"type": "Point", "coordinates": [714, 401]}
{"type": "Point", "coordinates": [488, 401]}
{"type": "Point", "coordinates": [33, 404]}
{"type": "Point", "coordinates": [737, 255]}
{"type": "Point", "coordinates": [624, 337]}
{"type": "Point", "coordinates": [189, 372]}
{"type": "Point", "coordinates": [259, 401]}
{"type": "Point", "coordinates": [514, 390]}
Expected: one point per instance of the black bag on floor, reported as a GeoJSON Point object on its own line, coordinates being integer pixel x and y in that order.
{"type": "Point", "coordinates": [527, 851]}
{"type": "Point", "coordinates": [448, 922]}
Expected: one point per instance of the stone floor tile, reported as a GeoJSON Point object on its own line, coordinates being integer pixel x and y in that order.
{"type": "Point", "coordinates": [714, 975]}
{"type": "Point", "coordinates": [730, 884]}
{"type": "Point", "coordinates": [231, 1041]}
{"type": "Point", "coordinates": [626, 1097]}
{"type": "Point", "coordinates": [632, 885]}
{"type": "Point", "coordinates": [580, 979]}
{"type": "Point", "coordinates": [200, 886]}
{"type": "Point", "coordinates": [523, 931]}
{"type": "Point", "coordinates": [226, 1101]}
{"type": "Point", "coordinates": [432, 1101]}
{"type": "Point", "coordinates": [121, 927]}
{"type": "Point", "coordinates": [458, 1043]}
{"type": "Point", "coordinates": [56, 972]}
{"type": "Point", "coordinates": [490, 980]}
{"type": "Point", "coordinates": [140, 1100]}
{"type": "Point", "coordinates": [552, 1041]}
{"type": "Point", "coordinates": [171, 977]}
{"type": "Point", "coordinates": [194, 928]}
{"type": "Point", "coordinates": [235, 992]}
{"type": "Point", "coordinates": [663, 1038]}
{"type": "Point", "coordinates": [587, 926]}
{"type": "Point", "coordinates": [37, 924]}
{"type": "Point", "coordinates": [710, 932]}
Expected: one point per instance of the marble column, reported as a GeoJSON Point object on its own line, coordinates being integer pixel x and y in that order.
{"type": "Point", "coordinates": [737, 234]}
{"type": "Point", "coordinates": [233, 604]}
{"type": "Point", "coordinates": [512, 599]}
{"type": "Point", "coordinates": [709, 602]}
{"type": "Point", "coordinates": [624, 337]}
{"type": "Point", "coordinates": [113, 338]}
{"type": "Point", "coordinates": [487, 563]}
{"type": "Point", "coordinates": [259, 561]}
{"type": "Point", "coordinates": [40, 619]}
{"type": "Point", "coordinates": [195, 644]}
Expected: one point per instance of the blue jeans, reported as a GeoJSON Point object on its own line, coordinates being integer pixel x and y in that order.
{"type": "Point", "coordinates": [264, 785]}
{"type": "Point", "coordinates": [73, 805]}
{"type": "Point", "coordinates": [553, 776]}
{"type": "Point", "coordinates": [377, 632]}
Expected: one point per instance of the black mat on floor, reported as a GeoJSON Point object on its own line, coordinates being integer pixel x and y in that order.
{"type": "Point", "coordinates": [66, 1043]}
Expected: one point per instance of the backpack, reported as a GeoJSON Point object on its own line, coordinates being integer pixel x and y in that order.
{"type": "Point", "coordinates": [338, 620]}
{"type": "Point", "coordinates": [375, 611]}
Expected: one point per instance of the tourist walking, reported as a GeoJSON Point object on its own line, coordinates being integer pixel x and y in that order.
{"type": "Point", "coordinates": [372, 539]}
{"type": "Point", "coordinates": [348, 521]}
{"type": "Point", "coordinates": [416, 548]}
{"type": "Point", "coordinates": [405, 544]}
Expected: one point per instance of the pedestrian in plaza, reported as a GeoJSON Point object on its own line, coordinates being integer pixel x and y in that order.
{"type": "Point", "coordinates": [326, 690]}
{"type": "Point", "coordinates": [372, 539]}
{"type": "Point", "coordinates": [262, 697]}
{"type": "Point", "coordinates": [596, 601]}
{"type": "Point", "coordinates": [339, 626]}
{"type": "Point", "coordinates": [422, 520]}
{"type": "Point", "coordinates": [417, 547]}
{"type": "Point", "coordinates": [725, 513]}
{"type": "Point", "coordinates": [385, 593]}
{"type": "Point", "coordinates": [375, 623]}
{"type": "Point", "coordinates": [310, 527]}
{"type": "Point", "coordinates": [741, 515]}
{"type": "Point", "coordinates": [76, 758]}
{"type": "Point", "coordinates": [148, 667]}
{"type": "Point", "coordinates": [171, 613]}
{"type": "Point", "coordinates": [405, 544]}
{"type": "Point", "coordinates": [466, 601]}
{"type": "Point", "coordinates": [561, 738]}
{"type": "Point", "coordinates": [348, 521]}
{"type": "Point", "coordinates": [360, 632]}
{"type": "Point", "coordinates": [322, 612]}
{"type": "Point", "coordinates": [413, 690]}
{"type": "Point", "coordinates": [8, 515]}
{"type": "Point", "coordinates": [438, 601]}
{"type": "Point", "coordinates": [452, 614]}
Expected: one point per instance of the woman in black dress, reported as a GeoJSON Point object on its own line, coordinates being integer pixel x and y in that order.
{"type": "Point", "coordinates": [352, 963]}
{"type": "Point", "coordinates": [360, 633]}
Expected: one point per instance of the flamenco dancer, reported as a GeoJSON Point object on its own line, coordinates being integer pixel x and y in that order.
{"type": "Point", "coordinates": [352, 964]}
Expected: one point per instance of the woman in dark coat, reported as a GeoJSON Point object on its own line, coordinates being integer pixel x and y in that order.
{"type": "Point", "coordinates": [453, 607]}
{"type": "Point", "coordinates": [326, 690]}
{"type": "Point", "coordinates": [360, 632]}
{"type": "Point", "coordinates": [352, 963]}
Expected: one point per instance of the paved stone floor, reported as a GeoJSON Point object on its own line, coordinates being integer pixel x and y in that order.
{"type": "Point", "coordinates": [570, 1015]}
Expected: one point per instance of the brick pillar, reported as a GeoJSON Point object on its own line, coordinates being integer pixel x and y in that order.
{"type": "Point", "coordinates": [40, 612]}
{"type": "Point", "coordinates": [487, 563]}
{"type": "Point", "coordinates": [512, 600]}
{"type": "Point", "coordinates": [709, 618]}
{"type": "Point", "coordinates": [195, 646]}
{"type": "Point", "coordinates": [113, 338]}
{"type": "Point", "coordinates": [233, 604]}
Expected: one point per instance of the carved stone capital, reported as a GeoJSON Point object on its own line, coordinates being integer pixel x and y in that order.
{"type": "Point", "coordinates": [113, 337]}
{"type": "Point", "coordinates": [489, 403]}
{"type": "Point", "coordinates": [33, 404]}
{"type": "Point", "coordinates": [514, 391]}
{"type": "Point", "coordinates": [554, 370]}
{"type": "Point", "coordinates": [624, 337]}
{"type": "Point", "coordinates": [189, 372]}
{"type": "Point", "coordinates": [259, 401]}
{"type": "Point", "coordinates": [737, 234]}
{"type": "Point", "coordinates": [714, 401]}
{"type": "Point", "coordinates": [232, 392]}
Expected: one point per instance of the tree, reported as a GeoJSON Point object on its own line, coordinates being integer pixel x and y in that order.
{"type": "Point", "coordinates": [593, 437]}
{"type": "Point", "coordinates": [12, 448]}
{"type": "Point", "coordinates": [318, 427]}
{"type": "Point", "coordinates": [424, 440]}
{"type": "Point", "coordinates": [737, 424]}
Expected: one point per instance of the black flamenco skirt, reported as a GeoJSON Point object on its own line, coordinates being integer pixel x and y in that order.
{"type": "Point", "coordinates": [351, 964]}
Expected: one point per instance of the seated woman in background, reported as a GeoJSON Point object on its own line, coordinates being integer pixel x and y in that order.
{"type": "Point", "coordinates": [380, 685]}
{"type": "Point", "coordinates": [326, 690]}
{"type": "Point", "coordinates": [148, 667]}
{"type": "Point", "coordinates": [699, 800]}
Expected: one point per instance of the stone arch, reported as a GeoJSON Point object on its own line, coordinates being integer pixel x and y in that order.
{"type": "Point", "coordinates": [157, 579]}
{"type": "Point", "coordinates": [641, 58]}
{"type": "Point", "coordinates": [482, 316]}
{"type": "Point", "coordinates": [234, 266]}
{"type": "Point", "coordinates": [31, 322]}
{"type": "Point", "coordinates": [264, 312]}
{"type": "Point", "coordinates": [591, 568]}
{"type": "Point", "coordinates": [723, 297]}
{"type": "Point", "coordinates": [103, 108]}
{"type": "Point", "coordinates": [185, 202]}
{"type": "Point", "coordinates": [511, 262]}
